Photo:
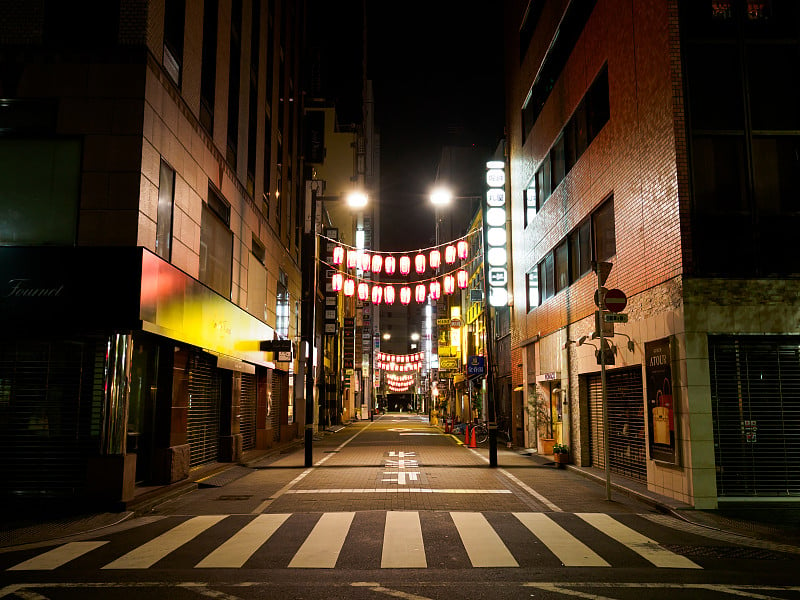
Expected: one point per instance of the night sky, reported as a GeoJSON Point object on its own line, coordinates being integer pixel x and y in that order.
{"type": "Point", "coordinates": [438, 80]}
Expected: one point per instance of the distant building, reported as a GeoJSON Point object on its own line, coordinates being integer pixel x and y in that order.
{"type": "Point", "coordinates": [660, 136]}
{"type": "Point", "coordinates": [150, 198]}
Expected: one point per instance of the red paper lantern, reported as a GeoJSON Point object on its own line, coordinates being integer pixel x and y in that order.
{"type": "Point", "coordinates": [405, 265]}
{"type": "Point", "coordinates": [420, 293]}
{"type": "Point", "coordinates": [363, 291]}
{"type": "Point", "coordinates": [463, 278]}
{"type": "Point", "coordinates": [389, 265]}
{"type": "Point", "coordinates": [338, 255]}
{"type": "Point", "coordinates": [377, 294]}
{"type": "Point", "coordinates": [349, 287]}
{"type": "Point", "coordinates": [405, 292]}
{"type": "Point", "coordinates": [436, 290]}
{"type": "Point", "coordinates": [377, 261]}
{"type": "Point", "coordinates": [435, 259]}
{"type": "Point", "coordinates": [352, 259]}
{"type": "Point", "coordinates": [419, 263]}
{"type": "Point", "coordinates": [388, 294]}
{"type": "Point", "coordinates": [450, 254]}
{"type": "Point", "coordinates": [337, 281]}
{"type": "Point", "coordinates": [366, 261]}
{"type": "Point", "coordinates": [449, 284]}
{"type": "Point", "coordinates": [462, 248]}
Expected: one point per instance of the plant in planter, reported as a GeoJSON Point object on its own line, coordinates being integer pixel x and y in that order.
{"type": "Point", "coordinates": [540, 411]}
{"type": "Point", "coordinates": [560, 455]}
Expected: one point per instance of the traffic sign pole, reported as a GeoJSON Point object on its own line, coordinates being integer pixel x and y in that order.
{"type": "Point", "coordinates": [602, 270]}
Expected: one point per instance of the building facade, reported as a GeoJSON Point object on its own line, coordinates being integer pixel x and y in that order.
{"type": "Point", "coordinates": [659, 139]}
{"type": "Point", "coordinates": [151, 189]}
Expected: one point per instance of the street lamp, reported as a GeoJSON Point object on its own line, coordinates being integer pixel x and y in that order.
{"type": "Point", "coordinates": [310, 270]}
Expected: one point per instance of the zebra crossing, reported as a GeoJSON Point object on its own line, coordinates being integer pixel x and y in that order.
{"type": "Point", "coordinates": [408, 540]}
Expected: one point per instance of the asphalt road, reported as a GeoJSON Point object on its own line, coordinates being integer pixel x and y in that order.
{"type": "Point", "coordinates": [394, 508]}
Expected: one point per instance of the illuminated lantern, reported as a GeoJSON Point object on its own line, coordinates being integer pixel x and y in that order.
{"type": "Point", "coordinates": [363, 291]}
{"type": "Point", "coordinates": [450, 254]}
{"type": "Point", "coordinates": [388, 294]}
{"type": "Point", "coordinates": [352, 259]}
{"type": "Point", "coordinates": [436, 290]}
{"type": "Point", "coordinates": [366, 261]}
{"type": "Point", "coordinates": [420, 293]}
{"type": "Point", "coordinates": [463, 278]}
{"type": "Point", "coordinates": [449, 284]}
{"type": "Point", "coordinates": [389, 265]}
{"type": "Point", "coordinates": [349, 287]}
{"type": "Point", "coordinates": [338, 255]}
{"type": "Point", "coordinates": [419, 263]}
{"type": "Point", "coordinates": [377, 294]}
{"type": "Point", "coordinates": [405, 292]}
{"type": "Point", "coordinates": [405, 265]}
{"type": "Point", "coordinates": [463, 249]}
{"type": "Point", "coordinates": [377, 261]}
{"type": "Point", "coordinates": [337, 281]}
{"type": "Point", "coordinates": [435, 259]}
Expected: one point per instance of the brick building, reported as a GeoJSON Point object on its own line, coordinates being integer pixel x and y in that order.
{"type": "Point", "coordinates": [660, 136]}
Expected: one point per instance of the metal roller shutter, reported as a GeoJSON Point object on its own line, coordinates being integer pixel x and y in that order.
{"type": "Point", "coordinates": [247, 412]}
{"type": "Point", "coordinates": [204, 409]}
{"type": "Point", "coordinates": [275, 404]}
{"type": "Point", "coordinates": [755, 399]}
{"type": "Point", "coordinates": [626, 435]}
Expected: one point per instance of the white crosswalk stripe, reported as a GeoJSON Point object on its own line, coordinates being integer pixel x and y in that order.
{"type": "Point", "coordinates": [407, 541]}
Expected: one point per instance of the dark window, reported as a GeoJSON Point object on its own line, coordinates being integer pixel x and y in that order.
{"type": "Point", "coordinates": [252, 136]}
{"type": "Point", "coordinates": [174, 18]}
{"type": "Point", "coordinates": [166, 203]}
{"type": "Point", "coordinates": [605, 244]}
{"type": "Point", "coordinates": [94, 23]}
{"type": "Point", "coordinates": [216, 244]}
{"type": "Point", "coordinates": [543, 188]}
{"type": "Point", "coordinates": [208, 73]}
{"type": "Point", "coordinates": [776, 174]}
{"type": "Point", "coordinates": [715, 87]}
{"type": "Point", "coordinates": [558, 162]}
{"type": "Point", "coordinates": [529, 195]}
{"type": "Point", "coordinates": [774, 86]}
{"type": "Point", "coordinates": [234, 82]}
{"type": "Point", "coordinates": [547, 286]}
{"type": "Point", "coordinates": [267, 195]}
{"type": "Point", "coordinates": [561, 256]}
{"type": "Point", "coordinates": [580, 250]}
{"type": "Point", "coordinates": [529, 21]}
{"type": "Point", "coordinates": [597, 104]}
{"type": "Point", "coordinates": [718, 169]}
{"type": "Point", "coordinates": [258, 250]}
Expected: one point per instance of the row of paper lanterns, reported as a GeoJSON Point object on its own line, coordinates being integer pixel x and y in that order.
{"type": "Point", "coordinates": [400, 358]}
{"type": "Point", "coordinates": [386, 293]}
{"type": "Point", "coordinates": [357, 259]}
{"type": "Point", "coordinates": [398, 367]}
{"type": "Point", "coordinates": [397, 388]}
{"type": "Point", "coordinates": [395, 379]}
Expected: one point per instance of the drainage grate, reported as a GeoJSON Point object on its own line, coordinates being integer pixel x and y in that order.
{"type": "Point", "coordinates": [725, 552]}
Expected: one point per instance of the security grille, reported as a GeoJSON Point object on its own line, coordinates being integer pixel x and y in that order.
{"type": "Point", "coordinates": [275, 404]}
{"type": "Point", "coordinates": [755, 401]}
{"type": "Point", "coordinates": [204, 409]}
{"type": "Point", "coordinates": [51, 396]}
{"type": "Point", "coordinates": [626, 433]}
{"type": "Point", "coordinates": [247, 412]}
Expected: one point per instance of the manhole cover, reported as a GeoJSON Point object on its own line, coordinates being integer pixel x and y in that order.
{"type": "Point", "coordinates": [723, 552]}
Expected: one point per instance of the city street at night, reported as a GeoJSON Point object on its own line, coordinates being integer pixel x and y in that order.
{"type": "Point", "coordinates": [397, 508]}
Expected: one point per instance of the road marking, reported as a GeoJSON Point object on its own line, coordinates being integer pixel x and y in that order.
{"type": "Point", "coordinates": [406, 490]}
{"type": "Point", "coordinates": [323, 545]}
{"type": "Point", "coordinates": [57, 556]}
{"type": "Point", "coordinates": [401, 476]}
{"type": "Point", "coordinates": [403, 547]}
{"type": "Point", "coordinates": [148, 554]}
{"type": "Point", "coordinates": [569, 550]}
{"type": "Point", "coordinates": [483, 545]}
{"type": "Point", "coordinates": [648, 549]}
{"type": "Point", "coordinates": [237, 549]}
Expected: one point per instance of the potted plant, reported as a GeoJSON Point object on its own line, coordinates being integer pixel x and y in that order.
{"type": "Point", "coordinates": [560, 455]}
{"type": "Point", "coordinates": [540, 411]}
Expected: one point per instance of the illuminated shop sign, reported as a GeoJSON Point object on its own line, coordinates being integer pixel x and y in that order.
{"type": "Point", "coordinates": [496, 236]}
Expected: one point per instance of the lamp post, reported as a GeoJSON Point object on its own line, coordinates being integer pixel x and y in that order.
{"type": "Point", "coordinates": [308, 324]}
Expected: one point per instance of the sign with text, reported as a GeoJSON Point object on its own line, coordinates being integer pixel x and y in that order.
{"type": "Point", "coordinates": [660, 402]}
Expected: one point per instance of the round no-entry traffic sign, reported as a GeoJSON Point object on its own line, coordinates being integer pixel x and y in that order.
{"type": "Point", "coordinates": [615, 300]}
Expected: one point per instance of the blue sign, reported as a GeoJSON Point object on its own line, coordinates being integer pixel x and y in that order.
{"type": "Point", "coordinates": [476, 365]}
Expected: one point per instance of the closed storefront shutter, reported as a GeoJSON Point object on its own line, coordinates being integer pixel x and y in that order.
{"type": "Point", "coordinates": [626, 427]}
{"type": "Point", "coordinates": [247, 412]}
{"type": "Point", "coordinates": [204, 409]}
{"type": "Point", "coordinates": [51, 398]}
{"type": "Point", "coordinates": [275, 404]}
{"type": "Point", "coordinates": [755, 399]}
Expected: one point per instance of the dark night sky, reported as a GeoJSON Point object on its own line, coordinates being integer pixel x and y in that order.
{"type": "Point", "coordinates": [436, 69]}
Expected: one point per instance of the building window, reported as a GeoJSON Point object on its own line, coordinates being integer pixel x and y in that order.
{"type": "Point", "coordinates": [208, 71]}
{"type": "Point", "coordinates": [561, 260]}
{"type": "Point", "coordinates": [234, 81]}
{"type": "Point", "coordinates": [166, 203]}
{"type": "Point", "coordinates": [216, 244]}
{"type": "Point", "coordinates": [547, 285]}
{"type": "Point", "coordinates": [532, 280]}
{"type": "Point", "coordinates": [174, 19]}
{"type": "Point", "coordinates": [282, 306]}
{"type": "Point", "coordinates": [605, 243]}
{"type": "Point", "coordinates": [580, 251]}
{"type": "Point", "coordinates": [529, 197]}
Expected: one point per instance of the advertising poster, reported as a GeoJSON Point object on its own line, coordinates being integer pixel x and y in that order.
{"type": "Point", "coordinates": [660, 406]}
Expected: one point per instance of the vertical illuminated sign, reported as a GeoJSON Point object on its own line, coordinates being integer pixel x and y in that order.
{"type": "Point", "coordinates": [496, 235]}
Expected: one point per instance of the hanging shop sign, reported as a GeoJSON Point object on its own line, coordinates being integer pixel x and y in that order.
{"type": "Point", "coordinates": [661, 414]}
{"type": "Point", "coordinates": [496, 235]}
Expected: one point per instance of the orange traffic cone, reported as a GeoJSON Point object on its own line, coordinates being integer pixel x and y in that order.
{"type": "Point", "coordinates": [472, 443]}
